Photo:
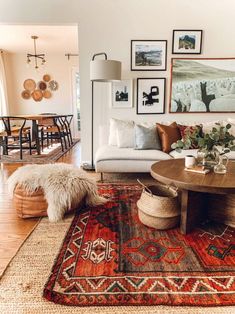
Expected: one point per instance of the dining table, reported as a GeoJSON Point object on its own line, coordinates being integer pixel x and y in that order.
{"type": "Point", "coordinates": [36, 119]}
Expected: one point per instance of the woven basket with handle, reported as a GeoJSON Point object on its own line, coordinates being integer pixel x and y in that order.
{"type": "Point", "coordinates": [158, 206]}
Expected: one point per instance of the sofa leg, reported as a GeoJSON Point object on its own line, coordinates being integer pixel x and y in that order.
{"type": "Point", "coordinates": [101, 177]}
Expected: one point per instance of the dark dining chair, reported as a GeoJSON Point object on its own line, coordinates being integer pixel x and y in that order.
{"type": "Point", "coordinates": [52, 129]}
{"type": "Point", "coordinates": [15, 135]}
{"type": "Point", "coordinates": [66, 122]}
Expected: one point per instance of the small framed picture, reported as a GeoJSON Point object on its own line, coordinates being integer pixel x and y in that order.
{"type": "Point", "coordinates": [150, 95]}
{"type": "Point", "coordinates": [122, 94]}
{"type": "Point", "coordinates": [187, 41]}
{"type": "Point", "coordinates": [148, 55]}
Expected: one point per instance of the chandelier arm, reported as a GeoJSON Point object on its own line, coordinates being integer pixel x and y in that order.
{"type": "Point", "coordinates": [36, 56]}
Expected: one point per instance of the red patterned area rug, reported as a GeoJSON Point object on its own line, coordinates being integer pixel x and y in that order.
{"type": "Point", "coordinates": [109, 258]}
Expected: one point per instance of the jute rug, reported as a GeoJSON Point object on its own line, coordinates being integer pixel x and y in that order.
{"type": "Point", "coordinates": [49, 154]}
{"type": "Point", "coordinates": [22, 284]}
{"type": "Point", "coordinates": [110, 258]}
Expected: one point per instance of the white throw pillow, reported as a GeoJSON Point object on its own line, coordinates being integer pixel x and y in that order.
{"type": "Point", "coordinates": [125, 135]}
{"type": "Point", "coordinates": [232, 122]}
{"type": "Point", "coordinates": [112, 132]}
{"type": "Point", "coordinates": [114, 123]}
{"type": "Point", "coordinates": [208, 126]}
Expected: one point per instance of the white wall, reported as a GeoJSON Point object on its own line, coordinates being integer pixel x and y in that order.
{"type": "Point", "coordinates": [109, 25]}
{"type": "Point", "coordinates": [57, 66]}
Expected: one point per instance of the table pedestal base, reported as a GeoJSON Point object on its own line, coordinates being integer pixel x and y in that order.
{"type": "Point", "coordinates": [193, 210]}
{"type": "Point", "coordinates": [198, 206]}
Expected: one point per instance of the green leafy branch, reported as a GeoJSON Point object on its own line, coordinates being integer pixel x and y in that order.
{"type": "Point", "coordinates": [219, 139]}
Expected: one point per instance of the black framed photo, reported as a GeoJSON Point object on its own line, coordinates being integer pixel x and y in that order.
{"type": "Point", "coordinates": [150, 95]}
{"type": "Point", "coordinates": [122, 94]}
{"type": "Point", "coordinates": [187, 41]}
{"type": "Point", "coordinates": [148, 55]}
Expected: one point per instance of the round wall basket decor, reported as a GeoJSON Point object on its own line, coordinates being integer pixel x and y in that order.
{"type": "Point", "coordinates": [46, 78]}
{"type": "Point", "coordinates": [46, 94]}
{"type": "Point", "coordinates": [37, 95]}
{"type": "Point", "coordinates": [42, 85]}
{"type": "Point", "coordinates": [29, 84]}
{"type": "Point", "coordinates": [53, 85]}
{"type": "Point", "coordinates": [25, 94]}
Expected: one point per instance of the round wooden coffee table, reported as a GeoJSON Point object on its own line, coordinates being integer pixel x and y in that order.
{"type": "Point", "coordinates": [194, 188]}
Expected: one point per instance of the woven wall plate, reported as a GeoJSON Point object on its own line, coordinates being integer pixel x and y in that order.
{"type": "Point", "coordinates": [26, 94]}
{"type": "Point", "coordinates": [46, 78]}
{"type": "Point", "coordinates": [53, 85]}
{"type": "Point", "coordinates": [29, 84]}
{"type": "Point", "coordinates": [46, 94]}
{"type": "Point", "coordinates": [37, 95]}
{"type": "Point", "coordinates": [42, 85]}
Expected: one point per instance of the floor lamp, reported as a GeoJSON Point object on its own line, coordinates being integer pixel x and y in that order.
{"type": "Point", "coordinates": [101, 70]}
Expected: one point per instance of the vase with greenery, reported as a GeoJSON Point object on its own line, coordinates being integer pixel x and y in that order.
{"type": "Point", "coordinates": [217, 142]}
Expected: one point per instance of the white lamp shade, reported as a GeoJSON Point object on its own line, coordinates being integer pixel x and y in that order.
{"type": "Point", "coordinates": [105, 70]}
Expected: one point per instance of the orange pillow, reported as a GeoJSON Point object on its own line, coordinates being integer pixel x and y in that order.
{"type": "Point", "coordinates": [168, 135]}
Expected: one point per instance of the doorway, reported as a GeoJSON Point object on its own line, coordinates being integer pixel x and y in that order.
{"type": "Point", "coordinates": [76, 102]}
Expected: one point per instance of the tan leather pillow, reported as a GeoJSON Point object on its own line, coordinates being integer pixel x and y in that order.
{"type": "Point", "coordinates": [168, 135]}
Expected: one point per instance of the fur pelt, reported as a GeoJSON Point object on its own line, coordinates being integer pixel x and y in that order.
{"type": "Point", "coordinates": [64, 186]}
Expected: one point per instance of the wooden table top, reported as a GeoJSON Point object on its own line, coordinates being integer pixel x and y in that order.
{"type": "Point", "coordinates": [172, 172]}
{"type": "Point", "coordinates": [37, 117]}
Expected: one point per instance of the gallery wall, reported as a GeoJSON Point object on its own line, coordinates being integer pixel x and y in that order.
{"type": "Point", "coordinates": [110, 25]}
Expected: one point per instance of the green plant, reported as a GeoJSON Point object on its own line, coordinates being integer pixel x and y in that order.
{"type": "Point", "coordinates": [218, 139]}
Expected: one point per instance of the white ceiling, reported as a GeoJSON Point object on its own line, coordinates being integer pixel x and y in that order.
{"type": "Point", "coordinates": [52, 39]}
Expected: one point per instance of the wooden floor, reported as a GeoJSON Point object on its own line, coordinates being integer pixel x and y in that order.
{"type": "Point", "coordinates": [14, 230]}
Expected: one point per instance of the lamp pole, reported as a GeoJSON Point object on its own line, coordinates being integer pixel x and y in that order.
{"type": "Point", "coordinates": [92, 125]}
{"type": "Point", "coordinates": [92, 112]}
{"type": "Point", "coordinates": [103, 70]}
{"type": "Point", "coordinates": [87, 166]}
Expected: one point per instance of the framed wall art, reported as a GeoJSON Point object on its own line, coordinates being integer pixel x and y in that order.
{"type": "Point", "coordinates": [122, 94]}
{"type": "Point", "coordinates": [202, 85]}
{"type": "Point", "coordinates": [148, 55]}
{"type": "Point", "coordinates": [187, 41]}
{"type": "Point", "coordinates": [150, 95]}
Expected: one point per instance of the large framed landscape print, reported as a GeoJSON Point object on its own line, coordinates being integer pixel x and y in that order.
{"type": "Point", "coordinates": [202, 85]}
{"type": "Point", "coordinates": [148, 55]}
{"type": "Point", "coordinates": [150, 95]}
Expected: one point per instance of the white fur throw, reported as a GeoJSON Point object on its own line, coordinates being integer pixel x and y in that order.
{"type": "Point", "coordinates": [63, 185]}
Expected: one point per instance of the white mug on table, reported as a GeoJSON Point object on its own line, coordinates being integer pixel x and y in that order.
{"type": "Point", "coordinates": [190, 161]}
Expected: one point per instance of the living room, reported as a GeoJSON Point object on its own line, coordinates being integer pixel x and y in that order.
{"type": "Point", "coordinates": [112, 27]}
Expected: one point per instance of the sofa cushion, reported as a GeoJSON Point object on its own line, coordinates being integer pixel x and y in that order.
{"type": "Point", "coordinates": [113, 129]}
{"type": "Point", "coordinates": [168, 135]}
{"type": "Point", "coordinates": [108, 152]}
{"type": "Point", "coordinates": [232, 122]}
{"type": "Point", "coordinates": [191, 132]}
{"type": "Point", "coordinates": [113, 159]}
{"type": "Point", "coordinates": [183, 153]}
{"type": "Point", "coordinates": [231, 155]}
{"type": "Point", "coordinates": [125, 134]}
{"type": "Point", "coordinates": [208, 126]}
{"type": "Point", "coordinates": [120, 166]}
{"type": "Point", "coordinates": [146, 137]}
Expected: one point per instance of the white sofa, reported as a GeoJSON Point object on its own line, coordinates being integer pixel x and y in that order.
{"type": "Point", "coordinates": [110, 158]}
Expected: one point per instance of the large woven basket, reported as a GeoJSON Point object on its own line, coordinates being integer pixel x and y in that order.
{"type": "Point", "coordinates": [158, 206]}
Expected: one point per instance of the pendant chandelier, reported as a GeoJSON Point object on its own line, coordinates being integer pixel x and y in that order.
{"type": "Point", "coordinates": [37, 57]}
